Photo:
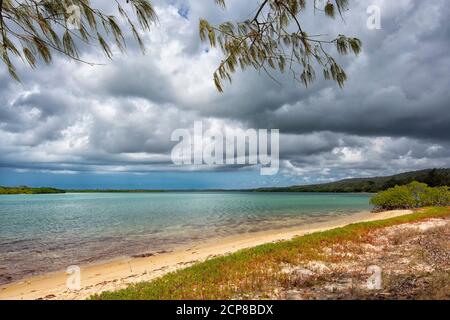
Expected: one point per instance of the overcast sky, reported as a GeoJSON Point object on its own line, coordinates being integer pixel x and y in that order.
{"type": "Point", "coordinates": [74, 125]}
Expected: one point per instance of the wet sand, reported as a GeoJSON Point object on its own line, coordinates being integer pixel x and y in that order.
{"type": "Point", "coordinates": [120, 272]}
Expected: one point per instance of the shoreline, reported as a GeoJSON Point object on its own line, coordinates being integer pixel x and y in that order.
{"type": "Point", "coordinates": [120, 272]}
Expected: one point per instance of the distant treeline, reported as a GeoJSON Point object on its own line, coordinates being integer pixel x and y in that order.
{"type": "Point", "coordinates": [112, 191]}
{"type": "Point", "coordinates": [432, 177]}
{"type": "Point", "coordinates": [28, 190]}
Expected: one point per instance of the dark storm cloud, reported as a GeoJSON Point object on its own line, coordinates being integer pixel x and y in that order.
{"type": "Point", "coordinates": [391, 116]}
{"type": "Point", "coordinates": [397, 87]}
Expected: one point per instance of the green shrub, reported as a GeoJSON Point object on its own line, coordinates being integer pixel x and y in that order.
{"type": "Point", "coordinates": [398, 197]}
{"type": "Point", "coordinates": [439, 196]}
{"type": "Point", "coordinates": [413, 195]}
{"type": "Point", "coordinates": [419, 192]}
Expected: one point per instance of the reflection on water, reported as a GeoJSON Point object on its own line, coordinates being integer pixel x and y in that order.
{"type": "Point", "coordinates": [43, 233]}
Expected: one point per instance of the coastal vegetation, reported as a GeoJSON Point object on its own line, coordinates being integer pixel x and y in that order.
{"type": "Point", "coordinates": [432, 177]}
{"type": "Point", "coordinates": [413, 195]}
{"type": "Point", "coordinates": [260, 272]}
{"type": "Point", "coordinates": [28, 190]}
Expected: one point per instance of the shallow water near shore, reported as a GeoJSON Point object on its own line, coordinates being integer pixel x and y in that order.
{"type": "Point", "coordinates": [44, 233]}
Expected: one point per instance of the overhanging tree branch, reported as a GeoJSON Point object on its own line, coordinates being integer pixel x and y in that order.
{"type": "Point", "coordinates": [35, 29]}
{"type": "Point", "coordinates": [262, 42]}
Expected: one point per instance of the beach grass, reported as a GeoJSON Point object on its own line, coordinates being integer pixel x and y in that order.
{"type": "Point", "coordinates": [257, 271]}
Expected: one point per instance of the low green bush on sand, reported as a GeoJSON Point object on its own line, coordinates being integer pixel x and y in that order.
{"type": "Point", "coordinates": [410, 196]}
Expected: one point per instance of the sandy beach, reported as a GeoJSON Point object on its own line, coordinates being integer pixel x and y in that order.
{"type": "Point", "coordinates": [119, 273]}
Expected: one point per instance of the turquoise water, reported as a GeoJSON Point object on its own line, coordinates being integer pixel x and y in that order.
{"type": "Point", "coordinates": [43, 233]}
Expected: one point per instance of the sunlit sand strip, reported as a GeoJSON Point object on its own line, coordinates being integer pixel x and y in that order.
{"type": "Point", "coordinates": [119, 273]}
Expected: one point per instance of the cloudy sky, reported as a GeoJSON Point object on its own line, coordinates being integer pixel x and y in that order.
{"type": "Point", "coordinates": [74, 125]}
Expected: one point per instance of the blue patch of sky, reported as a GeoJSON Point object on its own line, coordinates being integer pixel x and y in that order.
{"type": "Point", "coordinates": [153, 180]}
{"type": "Point", "coordinates": [184, 11]}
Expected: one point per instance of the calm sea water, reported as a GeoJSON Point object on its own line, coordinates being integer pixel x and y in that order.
{"type": "Point", "coordinates": [43, 233]}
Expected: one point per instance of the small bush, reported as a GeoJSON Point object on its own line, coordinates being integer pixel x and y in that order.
{"type": "Point", "coordinates": [439, 196]}
{"type": "Point", "coordinates": [413, 195]}
{"type": "Point", "coordinates": [398, 197]}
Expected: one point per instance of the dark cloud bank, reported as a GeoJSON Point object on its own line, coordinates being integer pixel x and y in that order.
{"type": "Point", "coordinates": [393, 114]}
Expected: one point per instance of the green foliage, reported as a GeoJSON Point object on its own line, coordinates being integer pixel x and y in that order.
{"type": "Point", "coordinates": [398, 197]}
{"type": "Point", "coordinates": [418, 191]}
{"type": "Point", "coordinates": [437, 196]}
{"type": "Point", "coordinates": [413, 195]}
{"type": "Point", "coordinates": [32, 29]}
{"type": "Point", "coordinates": [274, 39]}
{"type": "Point", "coordinates": [28, 190]}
